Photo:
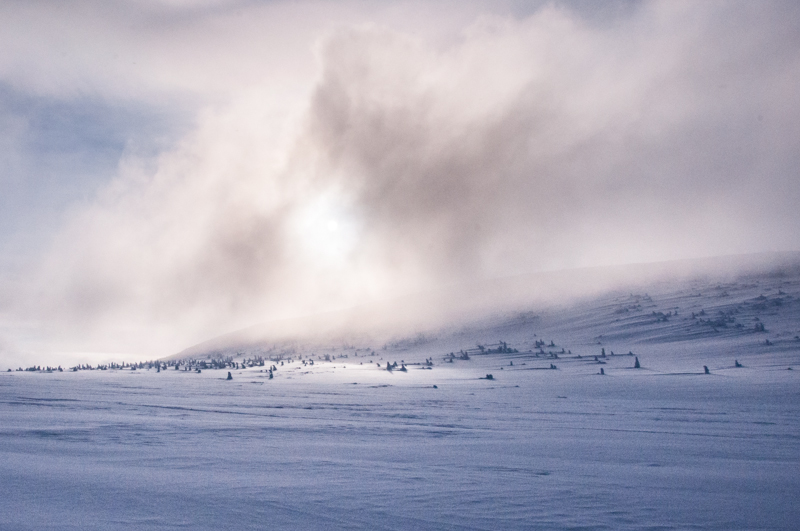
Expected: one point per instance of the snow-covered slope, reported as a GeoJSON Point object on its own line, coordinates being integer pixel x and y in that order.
{"type": "Point", "coordinates": [681, 321]}
{"type": "Point", "coordinates": [546, 443]}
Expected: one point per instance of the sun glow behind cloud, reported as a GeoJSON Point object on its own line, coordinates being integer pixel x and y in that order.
{"type": "Point", "coordinates": [326, 231]}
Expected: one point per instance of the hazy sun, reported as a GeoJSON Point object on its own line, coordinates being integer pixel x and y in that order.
{"type": "Point", "coordinates": [326, 230]}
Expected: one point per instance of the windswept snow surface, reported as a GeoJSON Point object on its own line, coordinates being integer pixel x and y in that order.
{"type": "Point", "coordinates": [345, 445]}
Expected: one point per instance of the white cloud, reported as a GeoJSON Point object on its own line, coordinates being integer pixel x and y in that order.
{"type": "Point", "coordinates": [402, 160]}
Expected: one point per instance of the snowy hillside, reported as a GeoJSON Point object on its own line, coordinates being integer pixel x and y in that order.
{"type": "Point", "coordinates": [675, 324]}
{"type": "Point", "coordinates": [503, 421]}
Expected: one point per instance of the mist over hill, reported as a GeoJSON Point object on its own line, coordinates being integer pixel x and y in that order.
{"type": "Point", "coordinates": [687, 301]}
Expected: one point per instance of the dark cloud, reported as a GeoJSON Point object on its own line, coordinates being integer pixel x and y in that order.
{"type": "Point", "coordinates": [651, 132]}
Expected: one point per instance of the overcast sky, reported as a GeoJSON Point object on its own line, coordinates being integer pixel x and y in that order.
{"type": "Point", "coordinates": [173, 169]}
